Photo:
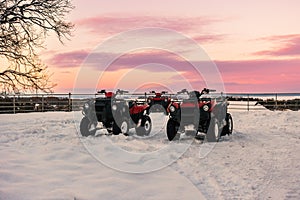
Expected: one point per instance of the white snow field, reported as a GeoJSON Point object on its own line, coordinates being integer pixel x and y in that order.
{"type": "Point", "coordinates": [42, 157]}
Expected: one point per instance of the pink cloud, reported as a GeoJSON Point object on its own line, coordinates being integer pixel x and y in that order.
{"type": "Point", "coordinates": [96, 24]}
{"type": "Point", "coordinates": [208, 38]}
{"type": "Point", "coordinates": [288, 45]}
{"type": "Point", "coordinates": [126, 61]}
{"type": "Point", "coordinates": [238, 76]}
{"type": "Point", "coordinates": [68, 59]}
{"type": "Point", "coordinates": [111, 24]}
{"type": "Point", "coordinates": [279, 37]}
{"type": "Point", "coordinates": [261, 75]}
{"type": "Point", "coordinates": [160, 57]}
{"type": "Point", "coordinates": [257, 66]}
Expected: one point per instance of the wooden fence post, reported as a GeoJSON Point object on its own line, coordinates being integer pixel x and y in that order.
{"type": "Point", "coordinates": [42, 103]}
{"type": "Point", "coordinates": [248, 106]}
{"type": "Point", "coordinates": [14, 104]}
{"type": "Point", "coordinates": [70, 102]}
{"type": "Point", "coordinates": [276, 105]}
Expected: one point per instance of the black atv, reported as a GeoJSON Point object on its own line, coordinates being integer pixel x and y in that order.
{"type": "Point", "coordinates": [159, 102]}
{"type": "Point", "coordinates": [116, 114]}
{"type": "Point", "coordinates": [207, 115]}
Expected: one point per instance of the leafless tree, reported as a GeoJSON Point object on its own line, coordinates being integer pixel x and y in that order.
{"type": "Point", "coordinates": [24, 25]}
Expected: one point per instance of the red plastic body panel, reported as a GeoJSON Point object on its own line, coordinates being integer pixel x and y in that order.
{"type": "Point", "coordinates": [137, 109]}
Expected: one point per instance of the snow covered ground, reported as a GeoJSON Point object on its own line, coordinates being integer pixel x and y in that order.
{"type": "Point", "coordinates": [42, 157]}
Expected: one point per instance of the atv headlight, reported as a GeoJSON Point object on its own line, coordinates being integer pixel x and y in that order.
{"type": "Point", "coordinates": [114, 107]}
{"type": "Point", "coordinates": [172, 108]}
{"type": "Point", "coordinates": [166, 100]}
{"type": "Point", "coordinates": [86, 106]}
{"type": "Point", "coordinates": [149, 101]}
{"type": "Point", "coordinates": [205, 108]}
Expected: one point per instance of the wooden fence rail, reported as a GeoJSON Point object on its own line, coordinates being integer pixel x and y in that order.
{"type": "Point", "coordinates": [73, 102]}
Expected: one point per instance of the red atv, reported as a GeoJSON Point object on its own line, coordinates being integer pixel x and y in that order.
{"type": "Point", "coordinates": [204, 113]}
{"type": "Point", "coordinates": [159, 102]}
{"type": "Point", "coordinates": [116, 114]}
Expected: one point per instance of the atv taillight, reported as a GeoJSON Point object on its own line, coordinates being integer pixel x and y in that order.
{"type": "Point", "coordinates": [109, 94]}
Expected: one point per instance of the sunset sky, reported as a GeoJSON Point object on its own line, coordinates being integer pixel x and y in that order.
{"type": "Point", "coordinates": [254, 44]}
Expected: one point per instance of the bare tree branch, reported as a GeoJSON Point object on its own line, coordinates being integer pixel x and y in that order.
{"type": "Point", "coordinates": [24, 25]}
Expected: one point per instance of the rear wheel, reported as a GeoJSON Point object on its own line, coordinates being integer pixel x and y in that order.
{"type": "Point", "coordinates": [145, 127]}
{"type": "Point", "coordinates": [87, 127]}
{"type": "Point", "coordinates": [172, 129]}
{"type": "Point", "coordinates": [213, 133]}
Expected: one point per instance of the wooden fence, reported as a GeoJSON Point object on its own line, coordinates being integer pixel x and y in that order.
{"type": "Point", "coordinates": [73, 102]}
{"type": "Point", "coordinates": [262, 101]}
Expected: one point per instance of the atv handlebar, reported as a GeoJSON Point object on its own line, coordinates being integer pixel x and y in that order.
{"type": "Point", "coordinates": [162, 92]}
{"type": "Point", "coordinates": [205, 90]}
{"type": "Point", "coordinates": [122, 91]}
{"type": "Point", "coordinates": [102, 91]}
{"type": "Point", "coordinates": [117, 92]}
{"type": "Point", "coordinates": [183, 91]}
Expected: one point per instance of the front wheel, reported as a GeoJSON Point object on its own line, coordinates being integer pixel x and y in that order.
{"type": "Point", "coordinates": [124, 128]}
{"type": "Point", "coordinates": [145, 128]}
{"type": "Point", "coordinates": [172, 129]}
{"type": "Point", "coordinates": [86, 127]}
{"type": "Point", "coordinates": [228, 128]}
{"type": "Point", "coordinates": [115, 129]}
{"type": "Point", "coordinates": [213, 133]}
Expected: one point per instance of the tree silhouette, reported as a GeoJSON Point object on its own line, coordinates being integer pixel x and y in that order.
{"type": "Point", "coordinates": [24, 25]}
